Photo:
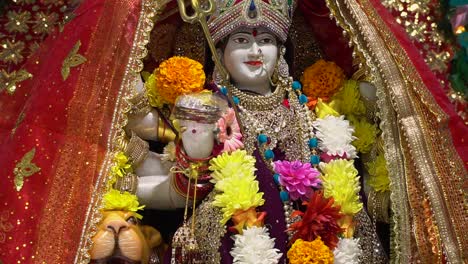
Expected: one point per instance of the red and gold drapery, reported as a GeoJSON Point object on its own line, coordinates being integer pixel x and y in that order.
{"type": "Point", "coordinates": [70, 125]}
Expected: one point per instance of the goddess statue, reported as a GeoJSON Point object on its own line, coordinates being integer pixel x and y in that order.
{"type": "Point", "coordinates": [267, 167]}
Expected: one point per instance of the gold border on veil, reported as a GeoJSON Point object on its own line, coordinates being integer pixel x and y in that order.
{"type": "Point", "coordinates": [426, 172]}
{"type": "Point", "coordinates": [149, 8]}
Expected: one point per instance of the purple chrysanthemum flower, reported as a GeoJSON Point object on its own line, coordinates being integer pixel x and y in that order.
{"type": "Point", "coordinates": [297, 178]}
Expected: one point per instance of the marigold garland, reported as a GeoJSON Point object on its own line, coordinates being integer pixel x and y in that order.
{"type": "Point", "coordinates": [174, 77]}
{"type": "Point", "coordinates": [314, 252]}
{"type": "Point", "coordinates": [322, 79]}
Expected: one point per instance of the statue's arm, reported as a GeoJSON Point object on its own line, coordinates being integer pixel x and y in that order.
{"type": "Point", "coordinates": [155, 185]}
{"type": "Point", "coordinates": [156, 188]}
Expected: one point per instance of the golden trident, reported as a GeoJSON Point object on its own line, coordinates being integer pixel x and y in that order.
{"type": "Point", "coordinates": [200, 15]}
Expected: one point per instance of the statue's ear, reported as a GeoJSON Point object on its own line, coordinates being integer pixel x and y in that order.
{"type": "Point", "coordinates": [152, 236]}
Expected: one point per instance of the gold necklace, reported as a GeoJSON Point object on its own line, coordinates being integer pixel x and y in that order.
{"type": "Point", "coordinates": [260, 102]}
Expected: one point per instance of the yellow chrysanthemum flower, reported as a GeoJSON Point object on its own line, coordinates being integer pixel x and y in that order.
{"type": "Point", "coordinates": [348, 99]}
{"type": "Point", "coordinates": [122, 165]}
{"type": "Point", "coordinates": [240, 193]}
{"type": "Point", "coordinates": [378, 172]}
{"type": "Point", "coordinates": [310, 252]}
{"type": "Point", "coordinates": [114, 200]}
{"type": "Point", "coordinates": [365, 134]}
{"type": "Point", "coordinates": [153, 96]}
{"type": "Point", "coordinates": [323, 109]}
{"type": "Point", "coordinates": [227, 165]}
{"type": "Point", "coordinates": [340, 180]}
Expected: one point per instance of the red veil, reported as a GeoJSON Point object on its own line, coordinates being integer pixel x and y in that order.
{"type": "Point", "coordinates": [70, 127]}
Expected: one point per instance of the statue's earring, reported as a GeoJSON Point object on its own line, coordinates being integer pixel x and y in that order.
{"type": "Point", "coordinates": [282, 66]}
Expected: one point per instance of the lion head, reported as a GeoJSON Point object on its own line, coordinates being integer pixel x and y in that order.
{"type": "Point", "coordinates": [120, 239]}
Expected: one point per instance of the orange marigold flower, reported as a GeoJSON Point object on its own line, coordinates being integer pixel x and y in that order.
{"type": "Point", "coordinates": [177, 76]}
{"type": "Point", "coordinates": [322, 79]}
{"type": "Point", "coordinates": [314, 252]}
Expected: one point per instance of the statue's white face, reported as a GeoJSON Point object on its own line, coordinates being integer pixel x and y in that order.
{"type": "Point", "coordinates": [250, 57]}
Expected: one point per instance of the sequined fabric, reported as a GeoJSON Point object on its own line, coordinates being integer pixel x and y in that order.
{"type": "Point", "coordinates": [68, 122]}
{"type": "Point", "coordinates": [24, 24]}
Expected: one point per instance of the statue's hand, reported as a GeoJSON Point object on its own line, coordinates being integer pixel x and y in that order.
{"type": "Point", "coordinates": [145, 126]}
{"type": "Point", "coordinates": [197, 138]}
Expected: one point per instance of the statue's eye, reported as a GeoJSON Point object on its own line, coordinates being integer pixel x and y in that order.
{"type": "Point", "coordinates": [132, 220]}
{"type": "Point", "coordinates": [241, 40]}
{"type": "Point", "coordinates": [267, 41]}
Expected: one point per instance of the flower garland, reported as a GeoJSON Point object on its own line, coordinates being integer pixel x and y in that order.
{"type": "Point", "coordinates": [238, 197]}
{"type": "Point", "coordinates": [328, 213]}
{"type": "Point", "coordinates": [255, 246]}
{"type": "Point", "coordinates": [121, 167]}
{"type": "Point", "coordinates": [297, 178]}
{"type": "Point", "coordinates": [310, 252]}
{"type": "Point", "coordinates": [234, 178]}
{"type": "Point", "coordinates": [328, 185]}
{"type": "Point", "coordinates": [347, 251]}
{"type": "Point", "coordinates": [115, 200]}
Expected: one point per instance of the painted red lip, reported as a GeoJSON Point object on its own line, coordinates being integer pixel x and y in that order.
{"type": "Point", "coordinates": [254, 63]}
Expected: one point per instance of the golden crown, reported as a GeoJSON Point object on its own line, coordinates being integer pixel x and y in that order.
{"type": "Point", "coordinates": [275, 15]}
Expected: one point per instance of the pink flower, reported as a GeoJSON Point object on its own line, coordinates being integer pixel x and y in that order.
{"type": "Point", "coordinates": [229, 131]}
{"type": "Point", "coordinates": [297, 178]}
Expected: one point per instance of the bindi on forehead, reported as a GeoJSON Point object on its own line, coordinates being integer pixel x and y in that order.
{"type": "Point", "coordinates": [254, 32]}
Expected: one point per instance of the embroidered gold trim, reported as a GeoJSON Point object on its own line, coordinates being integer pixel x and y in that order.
{"type": "Point", "coordinates": [418, 140]}
{"type": "Point", "coordinates": [73, 59]}
{"type": "Point", "coordinates": [138, 51]}
{"type": "Point", "coordinates": [24, 169]}
{"type": "Point", "coordinates": [440, 170]}
{"type": "Point", "coordinates": [401, 242]}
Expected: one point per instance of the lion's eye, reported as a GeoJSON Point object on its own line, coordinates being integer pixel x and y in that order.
{"type": "Point", "coordinates": [132, 220]}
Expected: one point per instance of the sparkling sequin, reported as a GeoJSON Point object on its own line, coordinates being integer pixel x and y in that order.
{"type": "Point", "coordinates": [25, 168]}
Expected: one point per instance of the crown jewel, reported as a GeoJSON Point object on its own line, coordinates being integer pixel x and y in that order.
{"type": "Point", "coordinates": [276, 15]}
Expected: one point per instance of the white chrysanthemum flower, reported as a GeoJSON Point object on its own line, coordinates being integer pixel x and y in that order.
{"type": "Point", "coordinates": [255, 246]}
{"type": "Point", "coordinates": [335, 135]}
{"type": "Point", "coordinates": [169, 152]}
{"type": "Point", "coordinates": [347, 251]}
